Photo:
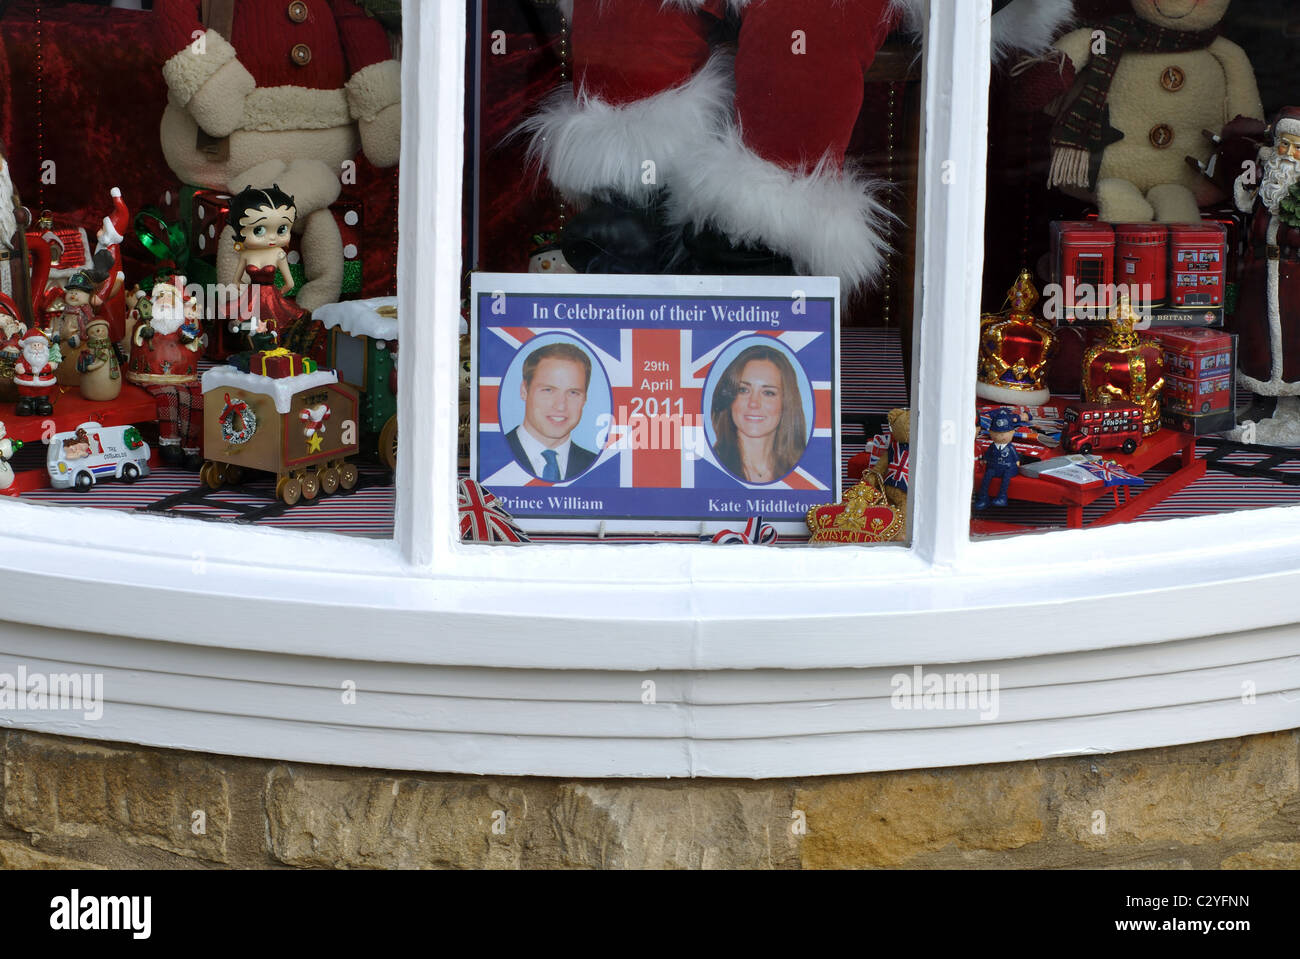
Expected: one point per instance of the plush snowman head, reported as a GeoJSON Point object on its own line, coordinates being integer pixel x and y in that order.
{"type": "Point", "coordinates": [1183, 15]}
{"type": "Point", "coordinates": [549, 261]}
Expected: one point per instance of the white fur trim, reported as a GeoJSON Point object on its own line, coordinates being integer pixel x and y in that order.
{"type": "Point", "coordinates": [829, 223]}
{"type": "Point", "coordinates": [186, 71]}
{"type": "Point", "coordinates": [911, 13]}
{"type": "Point", "coordinates": [1023, 26]}
{"type": "Point", "coordinates": [295, 108]}
{"type": "Point", "coordinates": [1029, 26]}
{"type": "Point", "coordinates": [1289, 125]}
{"type": "Point", "coordinates": [588, 147]}
{"type": "Point", "coordinates": [374, 88]}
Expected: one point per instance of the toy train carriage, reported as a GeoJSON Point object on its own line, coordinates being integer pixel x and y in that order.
{"type": "Point", "coordinates": [363, 349]}
{"type": "Point", "coordinates": [301, 428]}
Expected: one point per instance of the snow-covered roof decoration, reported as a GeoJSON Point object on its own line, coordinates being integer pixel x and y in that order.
{"type": "Point", "coordinates": [281, 390]}
{"type": "Point", "coordinates": [361, 317]}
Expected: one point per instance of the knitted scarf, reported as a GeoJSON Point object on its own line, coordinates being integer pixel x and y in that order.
{"type": "Point", "coordinates": [1082, 127]}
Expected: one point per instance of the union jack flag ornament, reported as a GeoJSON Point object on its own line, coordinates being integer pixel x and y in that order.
{"type": "Point", "coordinates": [483, 519]}
{"type": "Point", "coordinates": [755, 533]}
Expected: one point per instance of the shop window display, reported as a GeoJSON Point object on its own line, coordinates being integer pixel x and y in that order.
{"type": "Point", "coordinates": [648, 184]}
{"type": "Point", "coordinates": [199, 229]}
{"type": "Point", "coordinates": [1151, 159]}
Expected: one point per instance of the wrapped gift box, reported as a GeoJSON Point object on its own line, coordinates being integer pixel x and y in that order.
{"type": "Point", "coordinates": [281, 364]}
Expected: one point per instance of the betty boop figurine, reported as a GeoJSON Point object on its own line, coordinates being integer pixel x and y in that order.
{"type": "Point", "coordinates": [262, 221]}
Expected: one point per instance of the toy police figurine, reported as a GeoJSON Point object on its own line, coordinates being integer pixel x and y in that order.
{"type": "Point", "coordinates": [1001, 459]}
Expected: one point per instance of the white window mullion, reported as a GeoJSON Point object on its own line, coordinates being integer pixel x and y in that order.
{"type": "Point", "coordinates": [951, 255]}
{"type": "Point", "coordinates": [429, 264]}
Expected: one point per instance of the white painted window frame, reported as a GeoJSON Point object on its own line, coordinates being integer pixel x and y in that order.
{"type": "Point", "coordinates": [426, 605]}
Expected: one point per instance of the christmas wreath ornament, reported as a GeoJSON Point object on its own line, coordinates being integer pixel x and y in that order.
{"type": "Point", "coordinates": [263, 94]}
{"type": "Point", "coordinates": [743, 156]}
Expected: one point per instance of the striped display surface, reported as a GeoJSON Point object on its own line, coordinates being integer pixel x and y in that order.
{"type": "Point", "coordinates": [872, 383]}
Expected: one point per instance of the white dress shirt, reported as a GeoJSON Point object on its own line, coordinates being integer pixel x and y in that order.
{"type": "Point", "coordinates": [533, 449]}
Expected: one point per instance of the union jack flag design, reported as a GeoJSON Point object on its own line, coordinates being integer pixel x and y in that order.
{"type": "Point", "coordinates": [1112, 474]}
{"type": "Point", "coordinates": [900, 457]}
{"type": "Point", "coordinates": [647, 416]}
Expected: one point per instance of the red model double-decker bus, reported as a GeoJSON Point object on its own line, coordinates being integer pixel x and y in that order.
{"type": "Point", "coordinates": [1197, 267]}
{"type": "Point", "coordinates": [1198, 396]}
{"type": "Point", "coordinates": [1101, 426]}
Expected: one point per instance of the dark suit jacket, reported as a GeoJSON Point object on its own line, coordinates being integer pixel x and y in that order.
{"type": "Point", "coordinates": [580, 460]}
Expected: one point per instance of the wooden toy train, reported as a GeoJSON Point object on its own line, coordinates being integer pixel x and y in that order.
{"type": "Point", "coordinates": [301, 428]}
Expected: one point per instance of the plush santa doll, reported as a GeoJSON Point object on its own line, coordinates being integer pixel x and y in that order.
{"type": "Point", "coordinates": [745, 154]}
{"type": "Point", "coordinates": [279, 92]}
{"type": "Point", "coordinates": [164, 360]}
{"type": "Point", "coordinates": [35, 375]}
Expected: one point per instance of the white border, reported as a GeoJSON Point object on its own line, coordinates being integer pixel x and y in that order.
{"type": "Point", "coordinates": [669, 287]}
{"type": "Point", "coordinates": [248, 615]}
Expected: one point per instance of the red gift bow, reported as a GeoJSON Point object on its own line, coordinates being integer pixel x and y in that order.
{"type": "Point", "coordinates": [755, 533]}
{"type": "Point", "coordinates": [482, 519]}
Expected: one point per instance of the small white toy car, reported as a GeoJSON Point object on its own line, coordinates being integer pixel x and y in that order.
{"type": "Point", "coordinates": [91, 453]}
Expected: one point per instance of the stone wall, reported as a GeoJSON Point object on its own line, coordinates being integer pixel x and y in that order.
{"type": "Point", "coordinates": [1233, 804]}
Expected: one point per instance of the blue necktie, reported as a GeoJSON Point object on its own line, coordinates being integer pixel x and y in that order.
{"type": "Point", "coordinates": [552, 472]}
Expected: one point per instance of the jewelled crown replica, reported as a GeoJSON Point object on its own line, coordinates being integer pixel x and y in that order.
{"type": "Point", "coordinates": [1126, 366]}
{"type": "Point", "coordinates": [1015, 349]}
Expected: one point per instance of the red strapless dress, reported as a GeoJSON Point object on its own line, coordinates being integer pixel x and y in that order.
{"type": "Point", "coordinates": [276, 312]}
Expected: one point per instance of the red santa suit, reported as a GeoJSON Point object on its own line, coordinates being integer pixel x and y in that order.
{"type": "Point", "coordinates": [751, 146]}
{"type": "Point", "coordinates": [296, 89]}
{"type": "Point", "coordinates": [31, 381]}
{"type": "Point", "coordinates": [167, 366]}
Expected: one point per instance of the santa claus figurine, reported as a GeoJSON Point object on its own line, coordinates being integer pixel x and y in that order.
{"type": "Point", "coordinates": [35, 375]}
{"type": "Point", "coordinates": [286, 93]}
{"type": "Point", "coordinates": [1267, 319]}
{"type": "Point", "coordinates": [662, 132]}
{"type": "Point", "coordinates": [164, 360]}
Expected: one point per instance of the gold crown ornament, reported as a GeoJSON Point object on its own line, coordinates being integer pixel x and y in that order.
{"type": "Point", "coordinates": [1126, 366]}
{"type": "Point", "coordinates": [865, 516]}
{"type": "Point", "coordinates": [1015, 349]}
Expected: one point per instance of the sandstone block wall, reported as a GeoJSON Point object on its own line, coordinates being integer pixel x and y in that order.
{"type": "Point", "coordinates": [1232, 804]}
